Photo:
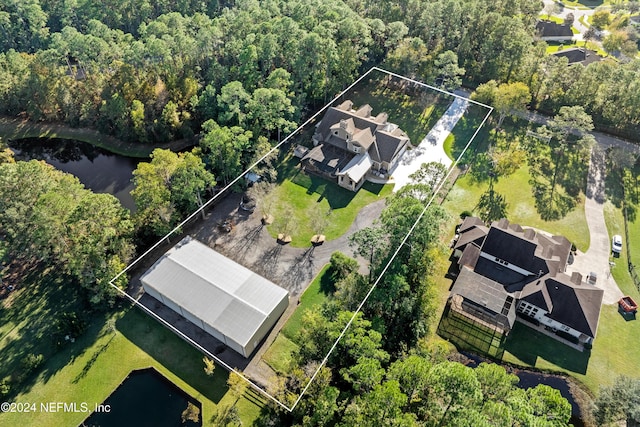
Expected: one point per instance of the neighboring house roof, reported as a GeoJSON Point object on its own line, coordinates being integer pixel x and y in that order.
{"type": "Point", "coordinates": [539, 277]}
{"type": "Point", "coordinates": [357, 167]}
{"type": "Point", "coordinates": [486, 294]}
{"type": "Point", "coordinates": [549, 29]}
{"type": "Point", "coordinates": [579, 55]}
{"type": "Point", "coordinates": [222, 293]}
{"type": "Point", "coordinates": [562, 297]}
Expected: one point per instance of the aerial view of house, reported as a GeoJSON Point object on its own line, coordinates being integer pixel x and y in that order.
{"type": "Point", "coordinates": [552, 31]}
{"type": "Point", "coordinates": [509, 273]}
{"type": "Point", "coordinates": [351, 143]}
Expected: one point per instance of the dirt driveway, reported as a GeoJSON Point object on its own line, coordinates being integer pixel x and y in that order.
{"type": "Point", "coordinates": [250, 244]}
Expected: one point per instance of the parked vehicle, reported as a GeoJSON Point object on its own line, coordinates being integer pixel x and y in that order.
{"type": "Point", "coordinates": [616, 244]}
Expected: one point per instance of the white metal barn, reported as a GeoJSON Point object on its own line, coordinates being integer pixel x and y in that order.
{"type": "Point", "coordinates": [227, 300]}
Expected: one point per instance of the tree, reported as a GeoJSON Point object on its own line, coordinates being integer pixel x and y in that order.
{"type": "Point", "coordinates": [383, 406]}
{"type": "Point", "coordinates": [209, 366]}
{"type": "Point", "coordinates": [189, 183]}
{"type": "Point", "coordinates": [570, 126]}
{"type": "Point", "coordinates": [449, 74]}
{"type": "Point", "coordinates": [223, 149]}
{"type": "Point", "coordinates": [619, 402]}
{"type": "Point", "coordinates": [270, 110]}
{"type": "Point", "coordinates": [600, 19]}
{"type": "Point", "coordinates": [341, 266]}
{"type": "Point", "coordinates": [614, 41]}
{"type": "Point", "coordinates": [511, 98]}
{"type": "Point", "coordinates": [152, 192]}
{"type": "Point", "coordinates": [232, 104]}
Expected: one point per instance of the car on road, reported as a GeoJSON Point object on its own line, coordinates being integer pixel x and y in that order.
{"type": "Point", "coordinates": [616, 244]}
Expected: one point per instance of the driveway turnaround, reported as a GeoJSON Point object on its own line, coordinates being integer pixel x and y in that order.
{"type": "Point", "coordinates": [431, 149]}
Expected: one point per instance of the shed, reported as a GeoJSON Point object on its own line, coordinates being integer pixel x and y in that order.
{"type": "Point", "coordinates": [222, 297]}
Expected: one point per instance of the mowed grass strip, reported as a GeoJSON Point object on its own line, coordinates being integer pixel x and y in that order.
{"type": "Point", "coordinates": [90, 369]}
{"type": "Point", "coordinates": [279, 355]}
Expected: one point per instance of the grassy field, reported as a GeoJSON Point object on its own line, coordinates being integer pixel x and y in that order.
{"type": "Point", "coordinates": [19, 129]}
{"type": "Point", "coordinates": [89, 369]}
{"type": "Point", "coordinates": [306, 200]}
{"type": "Point", "coordinates": [520, 209]}
{"type": "Point", "coordinates": [415, 112]}
{"type": "Point", "coordinates": [279, 354]}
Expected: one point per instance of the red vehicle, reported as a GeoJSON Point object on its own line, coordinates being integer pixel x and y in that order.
{"type": "Point", "coordinates": [628, 304]}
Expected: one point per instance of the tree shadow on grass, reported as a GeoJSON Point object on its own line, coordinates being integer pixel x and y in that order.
{"type": "Point", "coordinates": [170, 351]}
{"type": "Point", "coordinates": [551, 207]}
{"type": "Point", "coordinates": [529, 346]}
{"type": "Point", "coordinates": [35, 309]}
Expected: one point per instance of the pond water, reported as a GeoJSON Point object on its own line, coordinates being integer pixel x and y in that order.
{"type": "Point", "coordinates": [529, 379]}
{"type": "Point", "coordinates": [145, 398]}
{"type": "Point", "coordinates": [99, 170]}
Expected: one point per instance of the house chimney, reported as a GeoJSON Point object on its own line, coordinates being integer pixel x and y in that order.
{"type": "Point", "coordinates": [576, 278]}
{"type": "Point", "coordinates": [529, 233]}
{"type": "Point", "coordinates": [503, 223]}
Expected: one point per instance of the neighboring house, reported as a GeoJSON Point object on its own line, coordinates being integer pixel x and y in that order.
{"type": "Point", "coordinates": [349, 144]}
{"type": "Point", "coordinates": [552, 31]}
{"type": "Point", "coordinates": [579, 55]}
{"type": "Point", "coordinates": [509, 273]}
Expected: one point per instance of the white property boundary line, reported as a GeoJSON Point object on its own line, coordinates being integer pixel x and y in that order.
{"type": "Point", "coordinates": [223, 191]}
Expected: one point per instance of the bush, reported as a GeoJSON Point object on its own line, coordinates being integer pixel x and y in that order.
{"type": "Point", "coordinates": [32, 362]}
{"type": "Point", "coordinates": [5, 386]}
{"type": "Point", "coordinates": [465, 214]}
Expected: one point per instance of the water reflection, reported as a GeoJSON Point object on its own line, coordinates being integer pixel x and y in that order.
{"type": "Point", "coordinates": [97, 169]}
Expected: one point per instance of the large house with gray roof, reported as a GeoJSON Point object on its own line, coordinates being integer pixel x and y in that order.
{"type": "Point", "coordinates": [508, 273]}
{"type": "Point", "coordinates": [351, 143]}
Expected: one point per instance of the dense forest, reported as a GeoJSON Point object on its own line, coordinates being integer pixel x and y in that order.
{"type": "Point", "coordinates": [233, 76]}
{"type": "Point", "coordinates": [155, 71]}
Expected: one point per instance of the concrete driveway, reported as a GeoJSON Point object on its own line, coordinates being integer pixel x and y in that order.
{"type": "Point", "coordinates": [596, 259]}
{"type": "Point", "coordinates": [431, 148]}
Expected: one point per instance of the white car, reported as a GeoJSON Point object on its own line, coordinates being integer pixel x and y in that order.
{"type": "Point", "coordinates": [616, 244]}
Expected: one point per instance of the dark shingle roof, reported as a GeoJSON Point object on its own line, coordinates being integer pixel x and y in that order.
{"type": "Point", "coordinates": [579, 55]}
{"type": "Point", "coordinates": [514, 249]}
{"type": "Point", "coordinates": [577, 306]}
{"type": "Point", "coordinates": [553, 29]}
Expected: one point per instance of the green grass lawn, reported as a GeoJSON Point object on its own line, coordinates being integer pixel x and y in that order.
{"type": "Point", "coordinates": [415, 113]}
{"type": "Point", "coordinates": [279, 355]}
{"type": "Point", "coordinates": [91, 368]}
{"type": "Point", "coordinates": [310, 199]}
{"type": "Point", "coordinates": [521, 209]}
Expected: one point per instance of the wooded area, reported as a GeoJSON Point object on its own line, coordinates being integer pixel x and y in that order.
{"type": "Point", "coordinates": [235, 76]}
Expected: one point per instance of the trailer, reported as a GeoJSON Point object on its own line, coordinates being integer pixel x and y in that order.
{"type": "Point", "coordinates": [628, 305]}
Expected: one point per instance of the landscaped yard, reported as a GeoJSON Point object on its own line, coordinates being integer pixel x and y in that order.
{"type": "Point", "coordinates": [89, 369]}
{"type": "Point", "coordinates": [279, 354]}
{"type": "Point", "coordinates": [312, 205]}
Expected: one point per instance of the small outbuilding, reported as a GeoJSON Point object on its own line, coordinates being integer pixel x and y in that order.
{"type": "Point", "coordinates": [222, 297]}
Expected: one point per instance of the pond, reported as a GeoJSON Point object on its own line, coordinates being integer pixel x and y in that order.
{"type": "Point", "coordinates": [529, 379]}
{"type": "Point", "coordinates": [145, 398]}
{"type": "Point", "coordinates": [99, 170]}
